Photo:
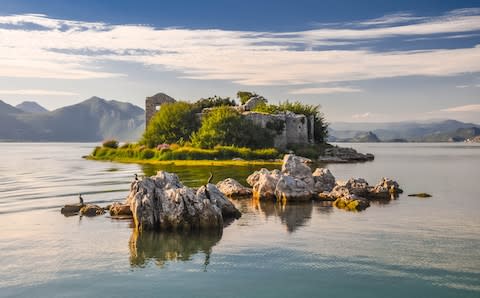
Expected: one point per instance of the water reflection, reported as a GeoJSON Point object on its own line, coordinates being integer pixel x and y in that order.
{"type": "Point", "coordinates": [194, 176]}
{"type": "Point", "coordinates": [292, 215]}
{"type": "Point", "coordinates": [161, 248]}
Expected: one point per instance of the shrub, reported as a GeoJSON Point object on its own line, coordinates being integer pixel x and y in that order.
{"type": "Point", "coordinates": [110, 144]}
{"type": "Point", "coordinates": [147, 154]}
{"type": "Point", "coordinates": [225, 126]}
{"type": "Point", "coordinates": [211, 102]}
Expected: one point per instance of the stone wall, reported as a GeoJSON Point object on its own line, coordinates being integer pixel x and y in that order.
{"type": "Point", "coordinates": [151, 104]}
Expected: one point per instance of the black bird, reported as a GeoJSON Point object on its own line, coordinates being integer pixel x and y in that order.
{"type": "Point", "coordinates": [136, 177]}
{"type": "Point", "coordinates": [207, 193]}
{"type": "Point", "coordinates": [80, 199]}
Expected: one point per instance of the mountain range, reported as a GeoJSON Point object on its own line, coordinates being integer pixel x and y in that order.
{"type": "Point", "coordinates": [97, 119]}
{"type": "Point", "coordinates": [92, 120]}
{"type": "Point", "coordinates": [432, 131]}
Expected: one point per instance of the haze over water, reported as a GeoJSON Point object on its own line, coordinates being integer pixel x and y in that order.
{"type": "Point", "coordinates": [406, 247]}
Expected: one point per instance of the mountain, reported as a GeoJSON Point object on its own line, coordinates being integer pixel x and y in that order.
{"type": "Point", "coordinates": [355, 137]}
{"type": "Point", "coordinates": [434, 131]}
{"type": "Point", "coordinates": [31, 107]}
{"type": "Point", "coordinates": [92, 120]}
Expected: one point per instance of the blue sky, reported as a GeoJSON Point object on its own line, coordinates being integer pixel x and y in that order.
{"type": "Point", "coordinates": [360, 60]}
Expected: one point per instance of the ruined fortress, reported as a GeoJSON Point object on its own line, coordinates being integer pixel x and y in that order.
{"type": "Point", "coordinates": [288, 128]}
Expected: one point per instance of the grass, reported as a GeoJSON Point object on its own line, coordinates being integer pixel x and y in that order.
{"type": "Point", "coordinates": [185, 156]}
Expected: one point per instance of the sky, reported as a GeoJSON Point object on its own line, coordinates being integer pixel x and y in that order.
{"type": "Point", "coordinates": [362, 61]}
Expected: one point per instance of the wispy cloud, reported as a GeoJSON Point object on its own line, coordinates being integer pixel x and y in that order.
{"type": "Point", "coordinates": [465, 108]}
{"type": "Point", "coordinates": [37, 92]}
{"type": "Point", "coordinates": [362, 116]}
{"type": "Point", "coordinates": [325, 90]}
{"type": "Point", "coordinates": [70, 49]}
{"type": "Point", "coordinates": [462, 86]}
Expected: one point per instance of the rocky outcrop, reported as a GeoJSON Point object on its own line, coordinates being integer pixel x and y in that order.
{"type": "Point", "coordinates": [91, 210]}
{"type": "Point", "coordinates": [296, 182]}
{"type": "Point", "coordinates": [162, 202]}
{"type": "Point", "coordinates": [343, 155]}
{"type": "Point", "coordinates": [232, 188]}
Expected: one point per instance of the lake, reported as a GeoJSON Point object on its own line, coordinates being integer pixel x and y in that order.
{"type": "Point", "coordinates": [405, 247]}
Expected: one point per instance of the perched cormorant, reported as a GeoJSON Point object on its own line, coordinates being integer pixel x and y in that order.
{"type": "Point", "coordinates": [210, 178]}
{"type": "Point", "coordinates": [80, 199]}
{"type": "Point", "coordinates": [136, 177]}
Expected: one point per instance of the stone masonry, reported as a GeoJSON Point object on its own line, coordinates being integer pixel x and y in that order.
{"type": "Point", "coordinates": [153, 103]}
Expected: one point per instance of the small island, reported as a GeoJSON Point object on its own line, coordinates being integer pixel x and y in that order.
{"type": "Point", "coordinates": [217, 131]}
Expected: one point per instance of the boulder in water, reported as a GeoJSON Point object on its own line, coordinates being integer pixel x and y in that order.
{"type": "Point", "coordinates": [91, 210]}
{"type": "Point", "coordinates": [232, 188]}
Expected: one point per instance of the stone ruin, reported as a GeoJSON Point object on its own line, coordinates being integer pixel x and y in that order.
{"type": "Point", "coordinates": [289, 128]}
{"type": "Point", "coordinates": [153, 104]}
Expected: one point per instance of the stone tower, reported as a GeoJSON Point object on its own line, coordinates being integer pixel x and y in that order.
{"type": "Point", "coordinates": [153, 104]}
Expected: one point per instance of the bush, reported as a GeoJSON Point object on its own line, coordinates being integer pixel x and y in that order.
{"type": "Point", "coordinates": [212, 102]}
{"type": "Point", "coordinates": [225, 126]}
{"type": "Point", "coordinates": [174, 123]}
{"type": "Point", "coordinates": [147, 154]}
{"type": "Point", "coordinates": [110, 144]}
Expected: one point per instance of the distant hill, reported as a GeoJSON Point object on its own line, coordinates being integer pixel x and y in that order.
{"type": "Point", "coordinates": [356, 137]}
{"type": "Point", "coordinates": [31, 107]}
{"type": "Point", "coordinates": [438, 131]}
{"type": "Point", "coordinates": [92, 120]}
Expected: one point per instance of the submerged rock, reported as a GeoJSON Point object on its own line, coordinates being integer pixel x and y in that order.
{"type": "Point", "coordinates": [162, 202]}
{"type": "Point", "coordinates": [420, 195]}
{"type": "Point", "coordinates": [232, 188]}
{"type": "Point", "coordinates": [91, 210]}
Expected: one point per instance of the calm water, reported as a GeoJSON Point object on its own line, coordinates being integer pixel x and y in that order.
{"type": "Point", "coordinates": [409, 247]}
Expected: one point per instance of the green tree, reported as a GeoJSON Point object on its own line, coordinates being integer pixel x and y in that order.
{"type": "Point", "coordinates": [225, 126]}
{"type": "Point", "coordinates": [173, 123]}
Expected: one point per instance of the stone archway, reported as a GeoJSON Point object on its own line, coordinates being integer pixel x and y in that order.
{"type": "Point", "coordinates": [153, 104]}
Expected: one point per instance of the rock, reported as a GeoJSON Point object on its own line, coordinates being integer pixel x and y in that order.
{"type": "Point", "coordinates": [264, 183]}
{"type": "Point", "coordinates": [339, 191]}
{"type": "Point", "coordinates": [339, 154]}
{"type": "Point", "coordinates": [71, 208]}
{"type": "Point", "coordinates": [420, 195]}
{"type": "Point", "coordinates": [232, 188]}
{"type": "Point", "coordinates": [292, 189]}
{"type": "Point", "coordinates": [162, 202]}
{"type": "Point", "coordinates": [352, 203]}
{"type": "Point", "coordinates": [357, 186]}
{"type": "Point", "coordinates": [253, 102]}
{"type": "Point", "coordinates": [91, 210]}
{"type": "Point", "coordinates": [323, 180]}
{"type": "Point", "coordinates": [218, 199]}
{"type": "Point", "coordinates": [119, 209]}
{"type": "Point", "coordinates": [385, 189]}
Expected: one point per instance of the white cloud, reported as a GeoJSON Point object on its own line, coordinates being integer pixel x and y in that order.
{"type": "Point", "coordinates": [325, 90]}
{"type": "Point", "coordinates": [465, 108]}
{"type": "Point", "coordinates": [462, 86]}
{"type": "Point", "coordinates": [362, 116]}
{"type": "Point", "coordinates": [70, 49]}
{"type": "Point", "coordinates": [37, 92]}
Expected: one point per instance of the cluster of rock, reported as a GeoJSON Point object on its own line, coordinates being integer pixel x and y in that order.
{"type": "Point", "coordinates": [344, 155]}
{"type": "Point", "coordinates": [296, 182]}
{"type": "Point", "coordinates": [162, 202]}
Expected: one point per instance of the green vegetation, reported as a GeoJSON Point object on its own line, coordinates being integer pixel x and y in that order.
{"type": "Point", "coordinates": [174, 123]}
{"type": "Point", "coordinates": [211, 102]}
{"type": "Point", "coordinates": [135, 153]}
{"type": "Point", "coordinates": [227, 127]}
